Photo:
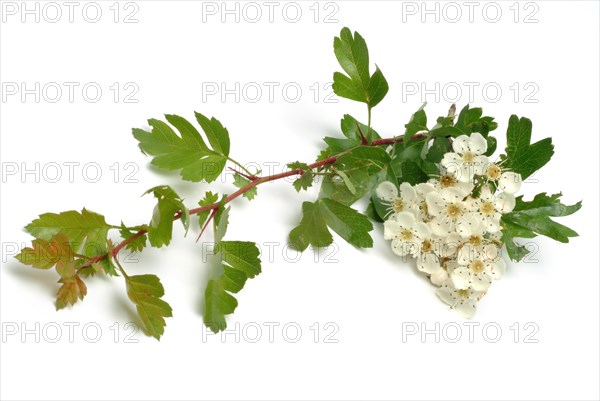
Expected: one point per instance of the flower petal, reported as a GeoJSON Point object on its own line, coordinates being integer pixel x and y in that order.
{"type": "Point", "coordinates": [451, 162]}
{"type": "Point", "coordinates": [466, 308]}
{"type": "Point", "coordinates": [407, 192]}
{"type": "Point", "coordinates": [477, 143]}
{"type": "Point", "coordinates": [422, 230]}
{"type": "Point", "coordinates": [497, 269]}
{"type": "Point", "coordinates": [391, 229]}
{"type": "Point", "coordinates": [400, 248]}
{"type": "Point", "coordinates": [439, 276]}
{"type": "Point", "coordinates": [435, 203]}
{"type": "Point", "coordinates": [505, 202]}
{"type": "Point", "coordinates": [510, 182]}
{"type": "Point", "coordinates": [481, 282]}
{"type": "Point", "coordinates": [405, 219]}
{"type": "Point", "coordinates": [461, 278]}
{"type": "Point", "coordinates": [428, 263]}
{"type": "Point", "coordinates": [441, 226]}
{"type": "Point", "coordinates": [387, 191]}
{"type": "Point", "coordinates": [461, 144]}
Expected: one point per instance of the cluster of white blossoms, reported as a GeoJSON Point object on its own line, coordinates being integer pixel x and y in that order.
{"type": "Point", "coordinates": [451, 224]}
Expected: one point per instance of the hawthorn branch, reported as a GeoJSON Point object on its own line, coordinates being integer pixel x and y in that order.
{"type": "Point", "coordinates": [253, 183]}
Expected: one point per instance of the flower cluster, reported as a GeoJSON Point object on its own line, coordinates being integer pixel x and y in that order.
{"type": "Point", "coordinates": [451, 224]}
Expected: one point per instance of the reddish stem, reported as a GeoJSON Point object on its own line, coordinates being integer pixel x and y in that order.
{"type": "Point", "coordinates": [255, 181]}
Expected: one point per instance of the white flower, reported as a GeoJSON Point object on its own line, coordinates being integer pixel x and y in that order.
{"type": "Point", "coordinates": [463, 301]}
{"type": "Point", "coordinates": [422, 211]}
{"type": "Point", "coordinates": [406, 233]}
{"type": "Point", "coordinates": [507, 181]}
{"type": "Point", "coordinates": [479, 265]}
{"type": "Point", "coordinates": [405, 201]}
{"type": "Point", "coordinates": [510, 182]}
{"type": "Point", "coordinates": [450, 213]}
{"type": "Point", "coordinates": [490, 207]}
{"type": "Point", "coordinates": [449, 181]}
{"type": "Point", "coordinates": [468, 159]}
{"type": "Point", "coordinates": [431, 264]}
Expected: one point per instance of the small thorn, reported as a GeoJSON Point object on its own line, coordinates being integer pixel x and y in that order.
{"type": "Point", "coordinates": [363, 139]}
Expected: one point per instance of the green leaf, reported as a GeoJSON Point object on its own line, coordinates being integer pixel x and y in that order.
{"type": "Point", "coordinates": [240, 255]}
{"type": "Point", "coordinates": [545, 204]}
{"type": "Point", "coordinates": [218, 303]}
{"type": "Point", "coordinates": [439, 147]}
{"type": "Point", "coordinates": [351, 128]}
{"type": "Point", "coordinates": [345, 221]}
{"type": "Point", "coordinates": [472, 120]}
{"type": "Point", "coordinates": [46, 254]}
{"type": "Point", "coordinates": [521, 156]}
{"type": "Point", "coordinates": [137, 244]}
{"type": "Point", "coordinates": [410, 166]}
{"type": "Point", "coordinates": [312, 229]}
{"type": "Point", "coordinates": [378, 88]}
{"type": "Point", "coordinates": [535, 216]}
{"type": "Point", "coordinates": [305, 181]}
{"type": "Point", "coordinates": [417, 123]}
{"type": "Point", "coordinates": [515, 250]}
{"type": "Point", "coordinates": [41, 255]}
{"type": "Point", "coordinates": [349, 224]}
{"type": "Point", "coordinates": [146, 292]}
{"type": "Point", "coordinates": [221, 221]}
{"type": "Point", "coordinates": [71, 290]}
{"type": "Point", "coordinates": [160, 229]}
{"type": "Point", "coordinates": [448, 131]}
{"type": "Point", "coordinates": [217, 135]}
{"type": "Point", "coordinates": [86, 231]}
{"type": "Point", "coordinates": [233, 263]}
{"type": "Point", "coordinates": [353, 56]}
{"type": "Point", "coordinates": [187, 152]}
{"type": "Point", "coordinates": [209, 199]}
{"type": "Point", "coordinates": [241, 182]}
{"type": "Point", "coordinates": [359, 166]}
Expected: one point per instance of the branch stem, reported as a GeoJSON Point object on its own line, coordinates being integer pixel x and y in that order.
{"type": "Point", "coordinates": [259, 180]}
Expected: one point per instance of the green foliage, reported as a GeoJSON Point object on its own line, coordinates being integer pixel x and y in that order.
{"type": "Point", "coordinates": [417, 123]}
{"type": "Point", "coordinates": [241, 182]}
{"type": "Point", "coordinates": [160, 229]}
{"type": "Point", "coordinates": [137, 244]}
{"type": "Point", "coordinates": [345, 221]}
{"type": "Point", "coordinates": [71, 290]}
{"type": "Point", "coordinates": [472, 120]}
{"type": "Point", "coordinates": [209, 199]}
{"type": "Point", "coordinates": [531, 218]}
{"type": "Point", "coordinates": [410, 163]}
{"type": "Point", "coordinates": [521, 156]}
{"type": "Point", "coordinates": [86, 232]}
{"type": "Point", "coordinates": [186, 152]}
{"type": "Point", "coordinates": [233, 263]}
{"type": "Point", "coordinates": [306, 178]}
{"type": "Point", "coordinates": [353, 56]}
{"type": "Point", "coordinates": [351, 179]}
{"type": "Point", "coordinates": [146, 291]}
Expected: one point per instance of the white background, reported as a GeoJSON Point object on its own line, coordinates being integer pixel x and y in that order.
{"type": "Point", "coordinates": [369, 295]}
